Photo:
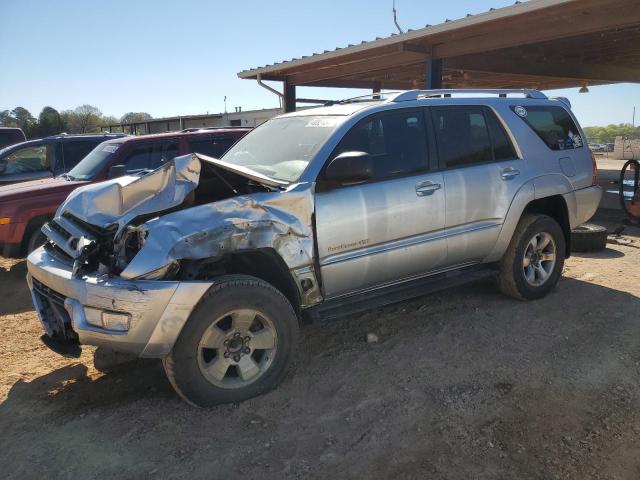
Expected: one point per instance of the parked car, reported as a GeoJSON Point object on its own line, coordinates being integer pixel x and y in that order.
{"type": "Point", "coordinates": [26, 207]}
{"type": "Point", "coordinates": [11, 136]}
{"type": "Point", "coordinates": [47, 157]}
{"type": "Point", "coordinates": [209, 263]}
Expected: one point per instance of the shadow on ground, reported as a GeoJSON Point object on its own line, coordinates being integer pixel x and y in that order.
{"type": "Point", "coordinates": [15, 292]}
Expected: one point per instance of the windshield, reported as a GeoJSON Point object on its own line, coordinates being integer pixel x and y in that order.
{"type": "Point", "coordinates": [283, 147]}
{"type": "Point", "coordinates": [94, 162]}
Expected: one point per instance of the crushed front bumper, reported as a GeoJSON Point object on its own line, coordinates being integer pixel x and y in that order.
{"type": "Point", "coordinates": [70, 308]}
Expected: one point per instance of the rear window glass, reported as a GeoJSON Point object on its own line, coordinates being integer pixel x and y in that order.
{"type": "Point", "coordinates": [553, 125]}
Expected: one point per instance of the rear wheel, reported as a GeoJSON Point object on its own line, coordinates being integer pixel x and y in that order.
{"type": "Point", "coordinates": [534, 260]}
{"type": "Point", "coordinates": [237, 343]}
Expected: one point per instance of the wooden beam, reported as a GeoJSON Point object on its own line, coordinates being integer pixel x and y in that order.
{"type": "Point", "coordinates": [550, 67]}
{"type": "Point", "coordinates": [579, 18]}
{"type": "Point", "coordinates": [363, 66]}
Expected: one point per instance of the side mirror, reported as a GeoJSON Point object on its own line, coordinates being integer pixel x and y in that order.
{"type": "Point", "coordinates": [349, 167]}
{"type": "Point", "coordinates": [117, 171]}
{"type": "Point", "coordinates": [3, 166]}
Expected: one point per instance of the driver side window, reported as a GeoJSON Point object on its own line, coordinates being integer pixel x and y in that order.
{"type": "Point", "coordinates": [395, 141]}
{"type": "Point", "coordinates": [138, 159]}
{"type": "Point", "coordinates": [29, 159]}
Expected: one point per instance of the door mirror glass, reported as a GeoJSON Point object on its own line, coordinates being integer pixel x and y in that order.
{"type": "Point", "coordinates": [349, 167]}
{"type": "Point", "coordinates": [117, 171]}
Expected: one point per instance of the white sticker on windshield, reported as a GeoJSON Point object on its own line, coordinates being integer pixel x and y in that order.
{"type": "Point", "coordinates": [323, 122]}
{"type": "Point", "coordinates": [110, 148]}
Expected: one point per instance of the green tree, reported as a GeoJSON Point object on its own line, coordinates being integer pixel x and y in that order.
{"type": "Point", "coordinates": [133, 117]}
{"type": "Point", "coordinates": [49, 122]}
{"type": "Point", "coordinates": [83, 119]}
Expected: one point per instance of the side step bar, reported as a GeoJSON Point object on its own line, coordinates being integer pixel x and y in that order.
{"type": "Point", "coordinates": [380, 297]}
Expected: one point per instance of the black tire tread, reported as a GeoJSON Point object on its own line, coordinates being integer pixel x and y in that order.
{"type": "Point", "coordinates": [509, 282]}
{"type": "Point", "coordinates": [223, 283]}
{"type": "Point", "coordinates": [591, 239]}
{"type": "Point", "coordinates": [506, 281]}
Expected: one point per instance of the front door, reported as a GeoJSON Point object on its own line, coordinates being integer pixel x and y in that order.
{"type": "Point", "coordinates": [390, 228]}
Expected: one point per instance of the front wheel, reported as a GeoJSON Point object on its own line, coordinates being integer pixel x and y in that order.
{"type": "Point", "coordinates": [238, 343]}
{"type": "Point", "coordinates": [534, 259]}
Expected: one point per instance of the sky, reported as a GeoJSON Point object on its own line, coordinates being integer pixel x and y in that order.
{"type": "Point", "coordinates": [182, 57]}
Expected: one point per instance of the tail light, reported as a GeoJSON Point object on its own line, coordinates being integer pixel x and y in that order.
{"type": "Point", "coordinates": [594, 179]}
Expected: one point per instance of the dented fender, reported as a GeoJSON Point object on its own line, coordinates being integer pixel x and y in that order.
{"type": "Point", "coordinates": [277, 220]}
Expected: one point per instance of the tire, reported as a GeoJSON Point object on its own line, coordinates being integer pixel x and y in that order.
{"type": "Point", "coordinates": [215, 358]}
{"type": "Point", "coordinates": [588, 238]}
{"type": "Point", "coordinates": [35, 237]}
{"type": "Point", "coordinates": [521, 257]}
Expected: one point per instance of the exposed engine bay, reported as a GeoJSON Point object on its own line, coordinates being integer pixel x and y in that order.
{"type": "Point", "coordinates": [101, 228]}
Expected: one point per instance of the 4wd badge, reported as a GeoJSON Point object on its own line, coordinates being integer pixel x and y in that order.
{"type": "Point", "coordinates": [520, 111]}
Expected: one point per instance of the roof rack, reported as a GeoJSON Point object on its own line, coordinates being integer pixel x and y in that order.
{"type": "Point", "coordinates": [501, 92]}
{"type": "Point", "coordinates": [198, 129]}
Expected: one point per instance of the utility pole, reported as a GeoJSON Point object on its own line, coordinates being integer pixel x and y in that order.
{"type": "Point", "coordinates": [633, 121]}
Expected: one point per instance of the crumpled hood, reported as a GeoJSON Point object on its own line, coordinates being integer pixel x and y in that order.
{"type": "Point", "coordinates": [119, 200]}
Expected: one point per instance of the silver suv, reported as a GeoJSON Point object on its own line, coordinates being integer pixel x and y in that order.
{"type": "Point", "coordinates": [210, 263]}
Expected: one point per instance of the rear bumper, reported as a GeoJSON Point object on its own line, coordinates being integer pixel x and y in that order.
{"type": "Point", "coordinates": [71, 308]}
{"type": "Point", "coordinates": [587, 201]}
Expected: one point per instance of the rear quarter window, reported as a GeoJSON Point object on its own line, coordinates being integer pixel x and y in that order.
{"type": "Point", "coordinates": [552, 124]}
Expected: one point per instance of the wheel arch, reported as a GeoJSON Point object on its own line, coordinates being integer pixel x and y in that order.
{"type": "Point", "coordinates": [530, 199]}
{"type": "Point", "coordinates": [33, 224]}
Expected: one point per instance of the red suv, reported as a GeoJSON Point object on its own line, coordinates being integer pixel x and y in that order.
{"type": "Point", "coordinates": [25, 207]}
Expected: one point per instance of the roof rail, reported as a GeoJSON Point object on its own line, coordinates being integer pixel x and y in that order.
{"type": "Point", "coordinates": [410, 95]}
{"type": "Point", "coordinates": [199, 129]}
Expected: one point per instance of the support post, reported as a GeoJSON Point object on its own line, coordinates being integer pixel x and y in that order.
{"type": "Point", "coordinates": [433, 78]}
{"type": "Point", "coordinates": [289, 97]}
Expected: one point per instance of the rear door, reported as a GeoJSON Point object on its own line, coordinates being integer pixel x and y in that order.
{"type": "Point", "coordinates": [388, 229]}
{"type": "Point", "coordinates": [482, 174]}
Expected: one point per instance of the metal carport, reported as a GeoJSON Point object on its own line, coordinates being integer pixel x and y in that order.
{"type": "Point", "coordinates": [543, 44]}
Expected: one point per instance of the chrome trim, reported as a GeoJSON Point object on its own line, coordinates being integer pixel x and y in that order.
{"type": "Point", "coordinates": [405, 242]}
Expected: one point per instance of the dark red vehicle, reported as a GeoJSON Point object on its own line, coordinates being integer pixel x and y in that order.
{"type": "Point", "coordinates": [25, 207]}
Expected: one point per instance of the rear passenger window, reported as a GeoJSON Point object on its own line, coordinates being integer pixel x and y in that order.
{"type": "Point", "coordinates": [395, 141]}
{"type": "Point", "coordinates": [553, 125]}
{"type": "Point", "coordinates": [502, 146]}
{"type": "Point", "coordinates": [462, 136]}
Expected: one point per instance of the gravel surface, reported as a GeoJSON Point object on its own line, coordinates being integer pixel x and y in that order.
{"type": "Point", "coordinates": [462, 384]}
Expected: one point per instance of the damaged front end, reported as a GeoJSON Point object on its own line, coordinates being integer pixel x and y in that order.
{"type": "Point", "coordinates": [164, 226]}
{"type": "Point", "coordinates": [95, 229]}
{"type": "Point", "coordinates": [127, 260]}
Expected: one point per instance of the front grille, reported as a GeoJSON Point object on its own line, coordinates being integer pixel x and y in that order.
{"type": "Point", "coordinates": [48, 293]}
{"type": "Point", "coordinates": [59, 254]}
{"type": "Point", "coordinates": [55, 318]}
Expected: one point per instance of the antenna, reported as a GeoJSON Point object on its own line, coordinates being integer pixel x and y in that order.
{"type": "Point", "coordinates": [395, 20]}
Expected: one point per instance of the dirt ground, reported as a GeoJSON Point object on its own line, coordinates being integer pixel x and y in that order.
{"type": "Point", "coordinates": [462, 384]}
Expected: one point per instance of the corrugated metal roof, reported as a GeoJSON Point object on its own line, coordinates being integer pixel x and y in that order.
{"type": "Point", "coordinates": [492, 14]}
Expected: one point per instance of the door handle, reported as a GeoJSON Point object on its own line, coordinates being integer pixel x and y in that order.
{"type": "Point", "coordinates": [508, 173]}
{"type": "Point", "coordinates": [427, 188]}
